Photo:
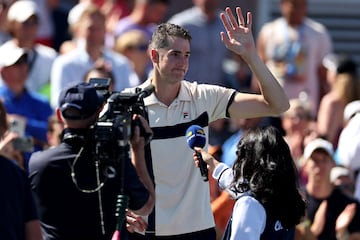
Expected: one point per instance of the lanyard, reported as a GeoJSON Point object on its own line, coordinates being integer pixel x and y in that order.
{"type": "Point", "coordinates": [293, 47]}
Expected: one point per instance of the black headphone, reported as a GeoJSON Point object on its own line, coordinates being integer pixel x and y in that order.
{"type": "Point", "coordinates": [73, 139]}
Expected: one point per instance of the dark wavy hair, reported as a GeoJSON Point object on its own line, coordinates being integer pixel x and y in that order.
{"type": "Point", "coordinates": [264, 166]}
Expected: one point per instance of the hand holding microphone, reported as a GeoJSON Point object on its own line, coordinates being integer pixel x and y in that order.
{"type": "Point", "coordinates": [195, 137]}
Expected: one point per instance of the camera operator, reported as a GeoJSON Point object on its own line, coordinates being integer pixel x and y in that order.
{"type": "Point", "coordinates": [76, 199]}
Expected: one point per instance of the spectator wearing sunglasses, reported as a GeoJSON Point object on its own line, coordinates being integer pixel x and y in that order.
{"type": "Point", "coordinates": [134, 45]}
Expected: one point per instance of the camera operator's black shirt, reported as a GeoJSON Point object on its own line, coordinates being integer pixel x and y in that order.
{"type": "Point", "coordinates": [65, 211]}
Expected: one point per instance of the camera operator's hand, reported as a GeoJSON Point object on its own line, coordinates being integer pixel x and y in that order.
{"type": "Point", "coordinates": [138, 160]}
{"type": "Point", "coordinates": [139, 138]}
{"type": "Point", "coordinates": [140, 127]}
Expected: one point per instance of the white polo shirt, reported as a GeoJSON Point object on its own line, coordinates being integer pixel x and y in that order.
{"type": "Point", "coordinates": [182, 197]}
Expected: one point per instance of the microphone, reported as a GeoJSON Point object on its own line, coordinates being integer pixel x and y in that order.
{"type": "Point", "coordinates": [195, 137]}
{"type": "Point", "coordinates": [146, 91]}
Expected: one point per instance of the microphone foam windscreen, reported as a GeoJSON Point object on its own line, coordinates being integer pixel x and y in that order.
{"type": "Point", "coordinates": [195, 136]}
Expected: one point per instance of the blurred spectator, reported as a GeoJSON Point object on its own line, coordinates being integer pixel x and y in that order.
{"type": "Point", "coordinates": [343, 179]}
{"type": "Point", "coordinates": [77, 36]}
{"type": "Point", "coordinates": [239, 126]}
{"type": "Point", "coordinates": [299, 129]}
{"type": "Point", "coordinates": [23, 17]}
{"type": "Point", "coordinates": [344, 88]}
{"type": "Point", "coordinates": [122, 7]}
{"type": "Point", "coordinates": [203, 22]}
{"type": "Point", "coordinates": [28, 110]}
{"type": "Point", "coordinates": [4, 33]}
{"type": "Point", "coordinates": [114, 10]}
{"type": "Point", "coordinates": [144, 16]}
{"type": "Point", "coordinates": [71, 67]}
{"type": "Point", "coordinates": [54, 130]}
{"type": "Point", "coordinates": [59, 15]}
{"type": "Point", "coordinates": [46, 28]}
{"type": "Point", "coordinates": [101, 70]}
{"type": "Point", "coordinates": [295, 122]}
{"type": "Point", "coordinates": [133, 44]}
{"type": "Point", "coordinates": [348, 150]}
{"type": "Point", "coordinates": [293, 47]}
{"type": "Point", "coordinates": [332, 214]}
{"type": "Point", "coordinates": [237, 73]}
{"type": "Point", "coordinates": [7, 146]}
{"type": "Point", "coordinates": [18, 218]}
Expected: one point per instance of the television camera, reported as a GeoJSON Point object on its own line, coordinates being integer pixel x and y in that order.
{"type": "Point", "coordinates": [114, 128]}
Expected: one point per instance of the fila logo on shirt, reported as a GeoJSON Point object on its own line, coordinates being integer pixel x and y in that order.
{"type": "Point", "coordinates": [186, 115]}
{"type": "Point", "coordinates": [278, 226]}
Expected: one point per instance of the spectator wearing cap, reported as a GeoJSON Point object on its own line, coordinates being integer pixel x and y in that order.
{"type": "Point", "coordinates": [77, 38]}
{"type": "Point", "coordinates": [4, 33]}
{"type": "Point", "coordinates": [70, 68]}
{"type": "Point", "coordinates": [342, 178]}
{"type": "Point", "coordinates": [344, 88]}
{"type": "Point", "coordinates": [73, 201]}
{"type": "Point", "coordinates": [332, 214]}
{"type": "Point", "coordinates": [23, 106]}
{"type": "Point", "coordinates": [23, 18]}
{"type": "Point", "coordinates": [348, 151]}
{"type": "Point", "coordinates": [296, 122]}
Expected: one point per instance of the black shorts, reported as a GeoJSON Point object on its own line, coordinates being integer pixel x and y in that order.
{"type": "Point", "coordinates": [207, 234]}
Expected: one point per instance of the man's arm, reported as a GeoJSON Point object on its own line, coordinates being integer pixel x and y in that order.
{"type": "Point", "coordinates": [238, 38]}
{"type": "Point", "coordinates": [138, 160]}
{"type": "Point", "coordinates": [33, 230]}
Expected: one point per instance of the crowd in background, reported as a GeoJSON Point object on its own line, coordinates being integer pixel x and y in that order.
{"type": "Point", "coordinates": [45, 49]}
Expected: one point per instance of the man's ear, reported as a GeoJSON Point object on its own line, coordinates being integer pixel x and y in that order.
{"type": "Point", "coordinates": [58, 115]}
{"type": "Point", "coordinates": [154, 55]}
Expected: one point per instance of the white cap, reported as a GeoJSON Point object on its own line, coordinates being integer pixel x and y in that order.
{"type": "Point", "coordinates": [331, 62]}
{"type": "Point", "coordinates": [351, 109]}
{"type": "Point", "coordinates": [338, 171]}
{"type": "Point", "coordinates": [10, 54]}
{"type": "Point", "coordinates": [76, 12]}
{"type": "Point", "coordinates": [339, 63]}
{"type": "Point", "coordinates": [22, 10]}
{"type": "Point", "coordinates": [318, 143]}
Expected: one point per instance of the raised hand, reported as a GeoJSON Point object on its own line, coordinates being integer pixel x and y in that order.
{"type": "Point", "coordinates": [238, 37]}
{"type": "Point", "coordinates": [345, 218]}
{"type": "Point", "coordinates": [319, 220]}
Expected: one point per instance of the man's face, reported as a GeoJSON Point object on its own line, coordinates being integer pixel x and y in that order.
{"type": "Point", "coordinates": [294, 11]}
{"type": "Point", "coordinates": [173, 62]}
{"type": "Point", "coordinates": [319, 166]}
{"type": "Point", "coordinates": [15, 75]}
{"type": "Point", "coordinates": [26, 30]}
{"type": "Point", "coordinates": [296, 121]}
{"type": "Point", "coordinates": [94, 29]}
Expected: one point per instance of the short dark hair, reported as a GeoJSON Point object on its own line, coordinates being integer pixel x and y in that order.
{"type": "Point", "coordinates": [160, 37]}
